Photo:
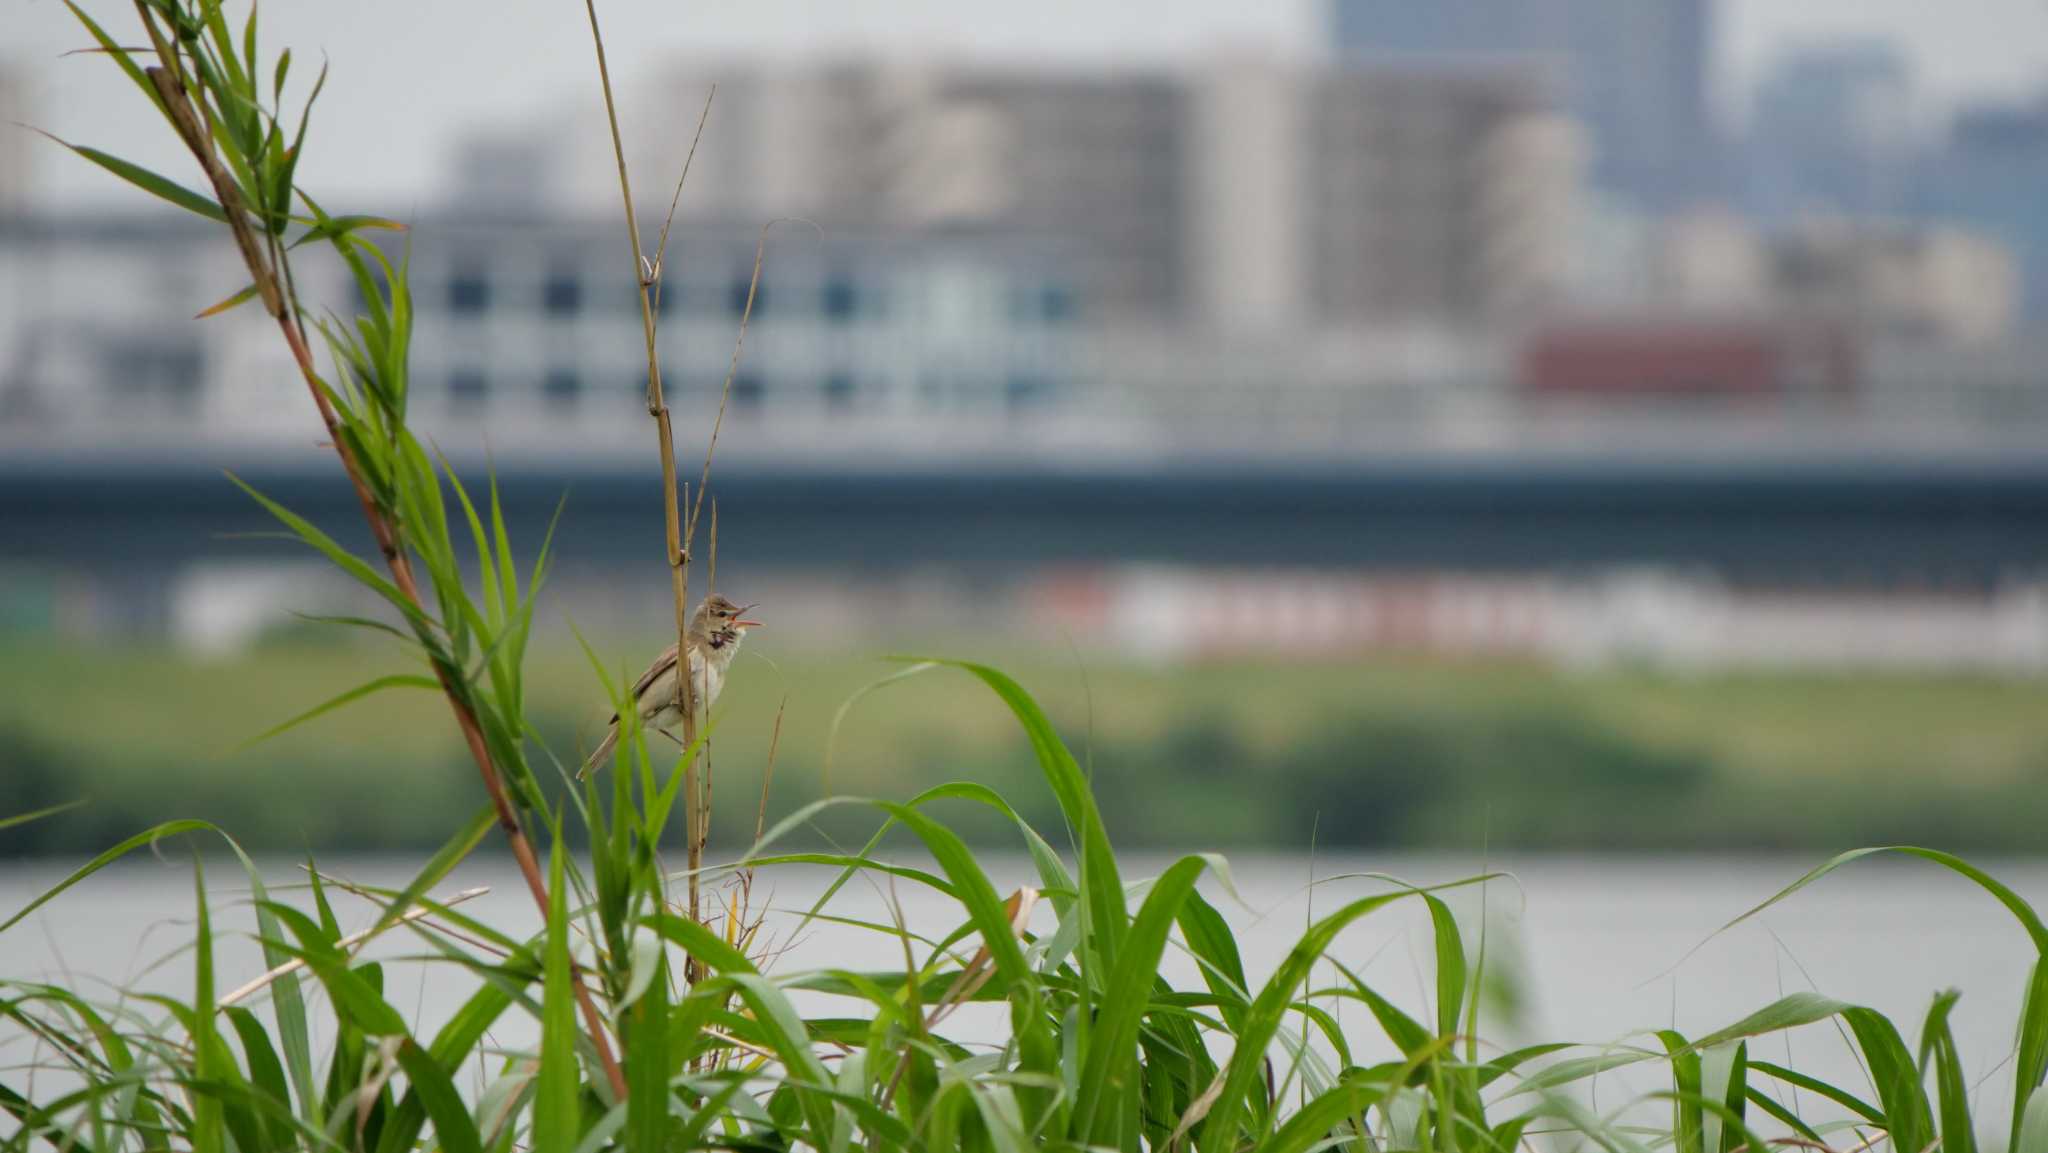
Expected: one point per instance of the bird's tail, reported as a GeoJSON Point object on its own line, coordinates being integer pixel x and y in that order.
{"type": "Point", "coordinates": [603, 750]}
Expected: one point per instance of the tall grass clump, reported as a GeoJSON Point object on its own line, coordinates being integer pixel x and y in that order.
{"type": "Point", "coordinates": [655, 1027]}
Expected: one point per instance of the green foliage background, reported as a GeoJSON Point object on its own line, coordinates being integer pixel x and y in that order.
{"type": "Point", "coordinates": [1384, 753]}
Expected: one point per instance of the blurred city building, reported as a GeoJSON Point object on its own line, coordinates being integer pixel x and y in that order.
{"type": "Point", "coordinates": [1253, 257]}
{"type": "Point", "coordinates": [1461, 303]}
{"type": "Point", "coordinates": [1436, 195]}
{"type": "Point", "coordinates": [902, 147]}
{"type": "Point", "coordinates": [1991, 174]}
{"type": "Point", "coordinates": [1832, 131]}
{"type": "Point", "coordinates": [1635, 72]}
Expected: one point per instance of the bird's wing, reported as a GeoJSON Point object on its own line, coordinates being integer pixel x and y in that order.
{"type": "Point", "coordinates": [660, 668]}
{"type": "Point", "coordinates": [662, 664]}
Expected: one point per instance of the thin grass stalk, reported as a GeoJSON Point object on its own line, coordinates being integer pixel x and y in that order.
{"type": "Point", "coordinates": [169, 81]}
{"type": "Point", "coordinates": [647, 276]}
{"type": "Point", "coordinates": [681, 532]}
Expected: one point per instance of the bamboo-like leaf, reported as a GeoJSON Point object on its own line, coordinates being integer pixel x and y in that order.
{"type": "Point", "coordinates": [645, 1042]}
{"type": "Point", "coordinates": [452, 852]}
{"type": "Point", "coordinates": [336, 227]}
{"type": "Point", "coordinates": [2031, 1135]}
{"type": "Point", "coordinates": [555, 1113]}
{"type": "Point", "coordinates": [341, 557]}
{"type": "Point", "coordinates": [120, 56]}
{"type": "Point", "coordinates": [1952, 1094]}
{"type": "Point", "coordinates": [359, 1003]}
{"type": "Point", "coordinates": [246, 294]}
{"type": "Point", "coordinates": [40, 814]}
{"type": "Point", "coordinates": [266, 1072]}
{"type": "Point", "coordinates": [454, 1130]}
{"type": "Point", "coordinates": [1110, 1070]}
{"type": "Point", "coordinates": [160, 187]}
{"type": "Point", "coordinates": [1833, 1093]}
{"type": "Point", "coordinates": [367, 688]}
{"type": "Point", "coordinates": [1450, 966]}
{"type": "Point", "coordinates": [149, 836]}
{"type": "Point", "coordinates": [2031, 1062]}
{"type": "Point", "coordinates": [1247, 1061]}
{"type": "Point", "coordinates": [1103, 889]}
{"type": "Point", "coordinates": [1311, 1125]}
{"type": "Point", "coordinates": [208, 1133]}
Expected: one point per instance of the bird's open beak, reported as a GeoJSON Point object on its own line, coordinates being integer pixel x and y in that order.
{"type": "Point", "coordinates": [742, 622]}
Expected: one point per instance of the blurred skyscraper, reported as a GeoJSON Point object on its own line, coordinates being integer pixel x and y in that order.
{"type": "Point", "coordinates": [1992, 174]}
{"type": "Point", "coordinates": [1249, 193]}
{"type": "Point", "coordinates": [1635, 71]}
{"type": "Point", "coordinates": [1436, 195]}
{"type": "Point", "coordinates": [1832, 131]}
{"type": "Point", "coordinates": [1094, 157]}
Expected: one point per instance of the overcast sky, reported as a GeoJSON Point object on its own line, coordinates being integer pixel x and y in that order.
{"type": "Point", "coordinates": [408, 72]}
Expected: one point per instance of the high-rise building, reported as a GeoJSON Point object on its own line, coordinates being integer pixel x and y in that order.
{"type": "Point", "coordinates": [1992, 175]}
{"type": "Point", "coordinates": [1436, 195]}
{"type": "Point", "coordinates": [1092, 157]}
{"type": "Point", "coordinates": [1251, 194]}
{"type": "Point", "coordinates": [1634, 73]}
{"type": "Point", "coordinates": [1248, 233]}
{"type": "Point", "coordinates": [1831, 131]}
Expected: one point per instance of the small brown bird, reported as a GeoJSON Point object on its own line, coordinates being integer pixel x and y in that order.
{"type": "Point", "coordinates": [716, 630]}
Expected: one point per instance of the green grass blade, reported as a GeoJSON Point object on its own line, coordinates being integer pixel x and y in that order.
{"type": "Point", "coordinates": [40, 814]}
{"type": "Point", "coordinates": [1311, 1126]}
{"type": "Point", "coordinates": [2014, 904]}
{"type": "Point", "coordinates": [121, 57]}
{"type": "Point", "coordinates": [556, 1089]}
{"type": "Point", "coordinates": [454, 1130]}
{"type": "Point", "coordinates": [1838, 1095]}
{"type": "Point", "coordinates": [208, 1129]}
{"type": "Point", "coordinates": [1450, 966]}
{"type": "Point", "coordinates": [1952, 1094]}
{"type": "Point", "coordinates": [451, 853]}
{"type": "Point", "coordinates": [1103, 889]}
{"type": "Point", "coordinates": [341, 557]}
{"type": "Point", "coordinates": [266, 1072]}
{"type": "Point", "coordinates": [1219, 1131]}
{"type": "Point", "coordinates": [1688, 1121]}
{"type": "Point", "coordinates": [977, 895]}
{"type": "Point", "coordinates": [1111, 1071]}
{"type": "Point", "coordinates": [2032, 1134]}
{"type": "Point", "coordinates": [366, 689]}
{"type": "Point", "coordinates": [357, 1000]}
{"type": "Point", "coordinates": [701, 943]}
{"type": "Point", "coordinates": [1907, 1115]}
{"type": "Point", "coordinates": [644, 1040]}
{"type": "Point", "coordinates": [160, 187]}
{"type": "Point", "coordinates": [148, 836]}
{"type": "Point", "coordinates": [2031, 1063]}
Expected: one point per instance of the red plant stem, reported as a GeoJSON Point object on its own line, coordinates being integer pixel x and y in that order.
{"type": "Point", "coordinates": [171, 88]}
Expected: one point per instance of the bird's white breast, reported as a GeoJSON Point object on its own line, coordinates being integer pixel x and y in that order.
{"type": "Point", "coordinates": [658, 703]}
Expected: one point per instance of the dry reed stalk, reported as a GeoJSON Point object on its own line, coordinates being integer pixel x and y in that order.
{"type": "Point", "coordinates": [680, 533]}
{"type": "Point", "coordinates": [648, 275]}
{"type": "Point", "coordinates": [281, 303]}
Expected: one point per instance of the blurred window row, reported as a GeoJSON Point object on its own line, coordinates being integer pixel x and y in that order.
{"type": "Point", "coordinates": [470, 292]}
{"type": "Point", "coordinates": [469, 389]}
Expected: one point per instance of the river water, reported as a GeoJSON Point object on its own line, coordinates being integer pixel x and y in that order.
{"type": "Point", "coordinates": [1596, 948]}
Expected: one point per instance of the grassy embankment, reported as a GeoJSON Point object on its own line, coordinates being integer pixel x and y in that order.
{"type": "Point", "coordinates": [1398, 753]}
